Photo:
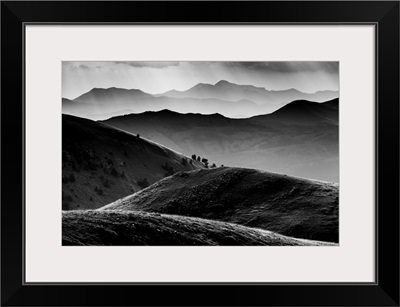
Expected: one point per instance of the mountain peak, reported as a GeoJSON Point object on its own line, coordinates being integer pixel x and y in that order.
{"type": "Point", "coordinates": [307, 112]}
{"type": "Point", "coordinates": [224, 82]}
{"type": "Point", "coordinates": [242, 86]}
{"type": "Point", "coordinates": [95, 89]}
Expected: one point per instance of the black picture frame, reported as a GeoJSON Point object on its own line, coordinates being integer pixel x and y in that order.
{"type": "Point", "coordinates": [383, 14]}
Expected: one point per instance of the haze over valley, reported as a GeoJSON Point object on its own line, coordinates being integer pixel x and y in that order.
{"type": "Point", "coordinates": [300, 139]}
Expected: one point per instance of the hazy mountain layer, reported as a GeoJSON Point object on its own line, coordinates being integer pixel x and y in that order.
{"type": "Point", "coordinates": [228, 99]}
{"type": "Point", "coordinates": [286, 205]}
{"type": "Point", "coordinates": [225, 90]}
{"type": "Point", "coordinates": [300, 139]}
{"type": "Point", "coordinates": [101, 164]}
{"type": "Point", "coordinates": [140, 228]}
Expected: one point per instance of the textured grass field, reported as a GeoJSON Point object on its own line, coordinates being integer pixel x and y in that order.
{"type": "Point", "coordinates": [286, 205]}
{"type": "Point", "coordinates": [141, 228]}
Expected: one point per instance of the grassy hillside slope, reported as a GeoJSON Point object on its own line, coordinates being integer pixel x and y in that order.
{"type": "Point", "coordinates": [101, 164]}
{"type": "Point", "coordinates": [287, 205]}
{"type": "Point", "coordinates": [140, 228]}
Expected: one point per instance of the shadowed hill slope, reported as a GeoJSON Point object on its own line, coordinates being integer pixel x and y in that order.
{"type": "Point", "coordinates": [287, 205]}
{"type": "Point", "coordinates": [140, 228]}
{"type": "Point", "coordinates": [101, 164]}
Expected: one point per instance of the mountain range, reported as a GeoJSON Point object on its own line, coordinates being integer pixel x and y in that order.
{"type": "Point", "coordinates": [228, 99]}
{"type": "Point", "coordinates": [299, 139]}
{"type": "Point", "coordinates": [228, 91]}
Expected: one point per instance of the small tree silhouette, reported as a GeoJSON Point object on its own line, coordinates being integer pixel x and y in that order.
{"type": "Point", "coordinates": [194, 157]}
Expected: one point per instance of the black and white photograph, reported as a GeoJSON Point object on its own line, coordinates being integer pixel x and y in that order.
{"type": "Point", "coordinates": [200, 153]}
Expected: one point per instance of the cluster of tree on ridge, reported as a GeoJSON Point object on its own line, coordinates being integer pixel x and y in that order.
{"type": "Point", "coordinates": [203, 160]}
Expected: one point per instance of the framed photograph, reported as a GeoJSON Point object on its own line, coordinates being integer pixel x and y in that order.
{"type": "Point", "coordinates": [200, 153]}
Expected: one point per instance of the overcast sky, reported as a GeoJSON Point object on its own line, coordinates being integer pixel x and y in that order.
{"type": "Point", "coordinates": [159, 77]}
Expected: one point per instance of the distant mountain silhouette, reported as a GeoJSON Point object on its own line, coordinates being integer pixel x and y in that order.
{"type": "Point", "coordinates": [286, 205]}
{"type": "Point", "coordinates": [68, 105]}
{"type": "Point", "coordinates": [67, 101]}
{"type": "Point", "coordinates": [223, 90]}
{"type": "Point", "coordinates": [101, 106]}
{"type": "Point", "coordinates": [300, 139]}
{"type": "Point", "coordinates": [228, 91]}
{"type": "Point", "coordinates": [305, 112]}
{"type": "Point", "coordinates": [224, 97]}
{"type": "Point", "coordinates": [112, 95]}
{"type": "Point", "coordinates": [101, 164]}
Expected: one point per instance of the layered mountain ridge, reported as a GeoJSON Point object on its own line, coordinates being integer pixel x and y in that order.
{"type": "Point", "coordinates": [300, 139]}
{"type": "Point", "coordinates": [229, 99]}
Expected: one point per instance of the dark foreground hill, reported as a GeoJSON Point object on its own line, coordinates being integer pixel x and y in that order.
{"type": "Point", "coordinates": [140, 228]}
{"type": "Point", "coordinates": [300, 139]}
{"type": "Point", "coordinates": [101, 164]}
{"type": "Point", "coordinates": [286, 205]}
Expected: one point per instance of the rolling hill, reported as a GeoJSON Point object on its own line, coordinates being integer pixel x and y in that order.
{"type": "Point", "coordinates": [139, 228]}
{"type": "Point", "coordinates": [286, 205]}
{"type": "Point", "coordinates": [299, 139]}
{"type": "Point", "coordinates": [101, 164]}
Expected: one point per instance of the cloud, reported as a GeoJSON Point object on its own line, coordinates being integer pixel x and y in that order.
{"type": "Point", "coordinates": [263, 67]}
{"type": "Point", "coordinates": [76, 67]}
{"type": "Point", "coordinates": [287, 67]}
{"type": "Point", "coordinates": [154, 64]}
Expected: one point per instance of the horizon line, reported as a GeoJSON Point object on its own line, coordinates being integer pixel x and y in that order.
{"type": "Point", "coordinates": [222, 80]}
{"type": "Point", "coordinates": [192, 113]}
